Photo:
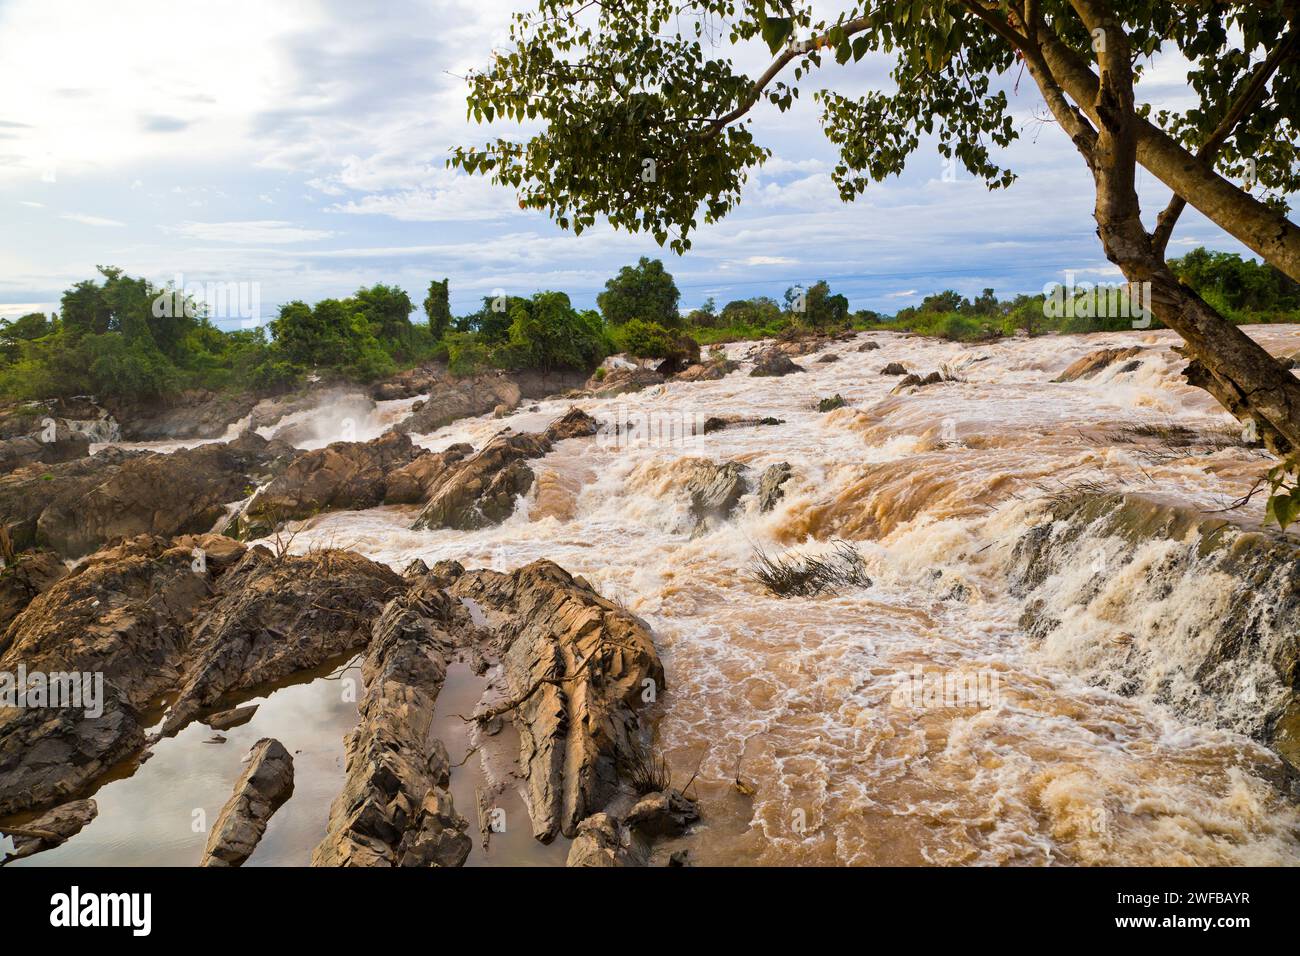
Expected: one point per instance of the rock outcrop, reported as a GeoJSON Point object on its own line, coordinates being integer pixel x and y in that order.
{"type": "Point", "coordinates": [274, 616]}
{"type": "Point", "coordinates": [711, 371]}
{"type": "Point", "coordinates": [123, 614]}
{"type": "Point", "coordinates": [450, 399]}
{"type": "Point", "coordinates": [27, 575]}
{"type": "Point", "coordinates": [894, 368]}
{"type": "Point", "coordinates": [578, 670]}
{"type": "Point", "coordinates": [623, 381]}
{"type": "Point", "coordinates": [344, 475]}
{"type": "Point", "coordinates": [481, 490]}
{"type": "Point", "coordinates": [1092, 363]}
{"type": "Point", "coordinates": [395, 809]}
{"type": "Point", "coordinates": [80, 506]}
{"type": "Point", "coordinates": [264, 785]}
{"type": "Point", "coordinates": [52, 828]}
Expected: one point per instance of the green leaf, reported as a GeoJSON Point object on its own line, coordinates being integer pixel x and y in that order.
{"type": "Point", "coordinates": [776, 31]}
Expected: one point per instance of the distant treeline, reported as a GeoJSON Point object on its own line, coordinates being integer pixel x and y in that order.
{"type": "Point", "coordinates": [123, 337]}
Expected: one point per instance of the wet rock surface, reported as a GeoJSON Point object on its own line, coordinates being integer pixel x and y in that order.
{"type": "Point", "coordinates": [623, 381]}
{"type": "Point", "coordinates": [1092, 363]}
{"type": "Point", "coordinates": [450, 399]}
{"type": "Point", "coordinates": [715, 489]}
{"type": "Point", "coordinates": [264, 785]}
{"type": "Point", "coordinates": [770, 485]}
{"type": "Point", "coordinates": [578, 671]}
{"type": "Point", "coordinates": [395, 809]}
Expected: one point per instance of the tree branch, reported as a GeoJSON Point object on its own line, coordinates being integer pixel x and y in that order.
{"type": "Point", "coordinates": [1246, 100]}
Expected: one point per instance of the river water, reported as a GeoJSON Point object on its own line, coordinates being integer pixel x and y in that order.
{"type": "Point", "coordinates": [799, 698]}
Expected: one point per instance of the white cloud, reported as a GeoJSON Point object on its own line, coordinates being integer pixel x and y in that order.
{"type": "Point", "coordinates": [253, 232]}
{"type": "Point", "coordinates": [90, 220]}
{"type": "Point", "coordinates": [901, 295]}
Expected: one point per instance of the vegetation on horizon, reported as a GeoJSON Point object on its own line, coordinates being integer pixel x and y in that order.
{"type": "Point", "coordinates": [109, 340]}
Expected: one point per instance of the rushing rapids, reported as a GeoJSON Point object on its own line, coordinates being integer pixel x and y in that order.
{"type": "Point", "coordinates": [1072, 648]}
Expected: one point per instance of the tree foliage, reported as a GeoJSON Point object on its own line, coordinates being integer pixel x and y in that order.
{"type": "Point", "coordinates": [644, 291]}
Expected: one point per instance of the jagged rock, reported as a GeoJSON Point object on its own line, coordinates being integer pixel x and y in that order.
{"type": "Point", "coordinates": [274, 616]}
{"type": "Point", "coordinates": [344, 475]}
{"type": "Point", "coordinates": [828, 357]}
{"type": "Point", "coordinates": [912, 380]}
{"type": "Point", "coordinates": [452, 399]}
{"type": "Point", "coordinates": [773, 362]}
{"type": "Point", "coordinates": [264, 785]}
{"type": "Point", "coordinates": [770, 483]}
{"type": "Point", "coordinates": [868, 346]}
{"type": "Point", "coordinates": [578, 667]}
{"type": "Point", "coordinates": [1092, 363]}
{"type": "Point", "coordinates": [52, 829]}
{"type": "Point", "coordinates": [178, 493]}
{"type": "Point", "coordinates": [228, 719]}
{"type": "Point", "coordinates": [709, 371]}
{"type": "Point", "coordinates": [30, 574]}
{"type": "Point", "coordinates": [394, 809]}
{"type": "Point", "coordinates": [412, 483]}
{"type": "Point", "coordinates": [714, 491]}
{"type": "Point", "coordinates": [602, 841]}
{"type": "Point", "coordinates": [894, 368]}
{"type": "Point", "coordinates": [661, 814]}
{"type": "Point", "coordinates": [481, 490]}
{"type": "Point", "coordinates": [622, 381]}
{"type": "Point", "coordinates": [122, 613]}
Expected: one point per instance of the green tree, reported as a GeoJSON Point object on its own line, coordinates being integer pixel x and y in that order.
{"type": "Point", "coordinates": [437, 306]}
{"type": "Point", "coordinates": [636, 115]}
{"type": "Point", "coordinates": [643, 291]}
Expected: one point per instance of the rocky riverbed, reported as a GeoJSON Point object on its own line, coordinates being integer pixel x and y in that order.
{"type": "Point", "coordinates": [485, 622]}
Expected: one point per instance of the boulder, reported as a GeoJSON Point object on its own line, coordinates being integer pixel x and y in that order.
{"type": "Point", "coordinates": [770, 483]}
{"type": "Point", "coordinates": [664, 813]}
{"type": "Point", "coordinates": [264, 785]}
{"type": "Point", "coordinates": [481, 490]}
{"type": "Point", "coordinates": [50, 829]}
{"type": "Point", "coordinates": [273, 616]}
{"type": "Point", "coordinates": [774, 362]}
{"type": "Point", "coordinates": [714, 491]}
{"type": "Point", "coordinates": [1092, 363]}
{"type": "Point", "coordinates": [27, 492]}
{"type": "Point", "coordinates": [412, 483]}
{"type": "Point", "coordinates": [868, 346]}
{"type": "Point", "coordinates": [395, 809]}
{"type": "Point", "coordinates": [578, 669]}
{"type": "Point", "coordinates": [894, 368]}
{"type": "Point", "coordinates": [828, 357]}
{"type": "Point", "coordinates": [914, 381]}
{"type": "Point", "coordinates": [718, 422]}
{"type": "Point", "coordinates": [229, 719]}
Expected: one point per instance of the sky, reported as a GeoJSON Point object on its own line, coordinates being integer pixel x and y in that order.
{"type": "Point", "coordinates": [298, 148]}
